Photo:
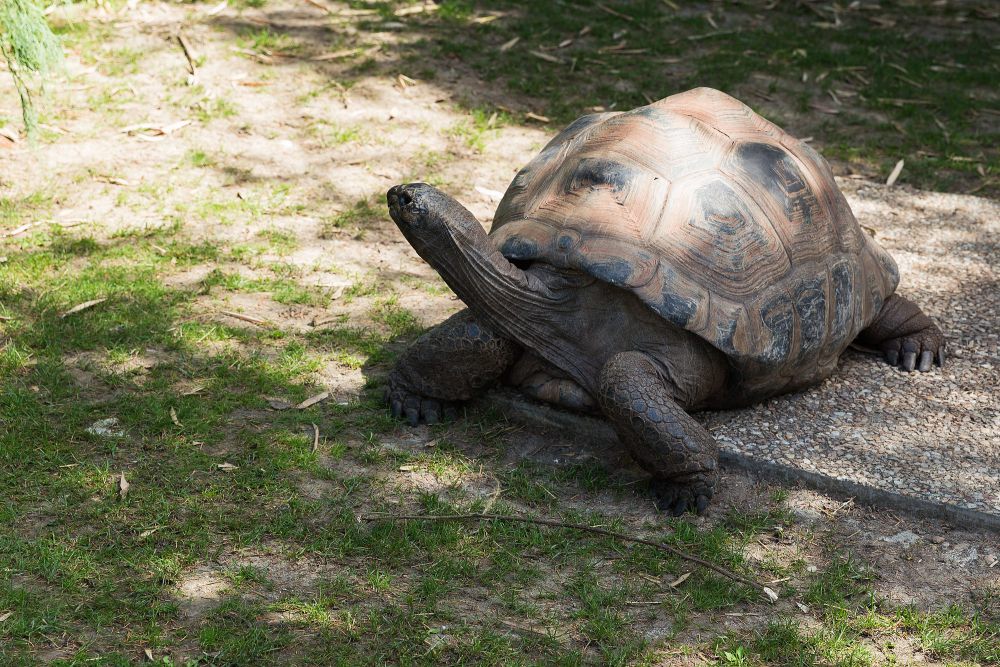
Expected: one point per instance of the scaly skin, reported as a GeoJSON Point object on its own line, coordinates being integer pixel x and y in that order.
{"type": "Point", "coordinates": [659, 434]}
{"type": "Point", "coordinates": [906, 336]}
{"type": "Point", "coordinates": [455, 361]}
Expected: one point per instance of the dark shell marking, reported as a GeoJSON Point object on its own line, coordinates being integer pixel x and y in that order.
{"type": "Point", "coordinates": [718, 220]}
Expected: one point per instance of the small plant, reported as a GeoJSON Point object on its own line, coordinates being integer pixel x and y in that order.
{"type": "Point", "coordinates": [30, 49]}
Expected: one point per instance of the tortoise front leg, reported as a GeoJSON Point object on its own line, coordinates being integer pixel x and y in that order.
{"type": "Point", "coordinates": [455, 361]}
{"type": "Point", "coordinates": [905, 335]}
{"type": "Point", "coordinates": [683, 457]}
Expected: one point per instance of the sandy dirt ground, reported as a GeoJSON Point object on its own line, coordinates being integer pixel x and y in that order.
{"type": "Point", "coordinates": [273, 130]}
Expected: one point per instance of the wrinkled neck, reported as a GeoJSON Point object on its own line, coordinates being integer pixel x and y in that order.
{"type": "Point", "coordinates": [501, 294]}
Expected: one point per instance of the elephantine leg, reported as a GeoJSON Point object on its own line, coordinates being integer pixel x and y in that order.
{"type": "Point", "coordinates": [682, 456]}
{"type": "Point", "coordinates": [906, 336]}
{"type": "Point", "coordinates": [455, 361]}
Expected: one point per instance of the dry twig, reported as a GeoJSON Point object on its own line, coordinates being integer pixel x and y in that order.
{"type": "Point", "coordinates": [188, 53]}
{"type": "Point", "coordinates": [575, 526]}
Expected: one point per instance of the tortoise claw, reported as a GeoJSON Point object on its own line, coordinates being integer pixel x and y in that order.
{"type": "Point", "coordinates": [926, 358]}
{"type": "Point", "coordinates": [676, 499]}
{"type": "Point", "coordinates": [414, 408]}
{"type": "Point", "coordinates": [430, 409]}
{"type": "Point", "coordinates": [940, 356]}
{"type": "Point", "coordinates": [701, 504]}
{"type": "Point", "coordinates": [892, 356]}
{"type": "Point", "coordinates": [909, 361]}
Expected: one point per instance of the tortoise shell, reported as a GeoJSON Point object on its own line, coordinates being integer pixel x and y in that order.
{"type": "Point", "coordinates": [717, 219]}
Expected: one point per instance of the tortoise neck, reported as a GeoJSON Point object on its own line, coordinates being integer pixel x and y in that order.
{"type": "Point", "coordinates": [495, 290]}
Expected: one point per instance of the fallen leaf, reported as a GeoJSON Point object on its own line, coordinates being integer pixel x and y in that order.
{"type": "Point", "coordinates": [148, 652]}
{"type": "Point", "coordinates": [5, 615]}
{"type": "Point", "coordinates": [679, 580]}
{"type": "Point", "coordinates": [334, 55]}
{"type": "Point", "coordinates": [803, 608]}
{"type": "Point", "coordinates": [545, 56]}
{"type": "Point", "coordinates": [416, 9]}
{"type": "Point", "coordinates": [315, 444]}
{"type": "Point", "coordinates": [313, 400]}
{"type": "Point", "coordinates": [494, 195]}
{"type": "Point", "coordinates": [509, 44]}
{"type": "Point", "coordinates": [403, 82]}
{"type": "Point", "coordinates": [146, 533]}
{"type": "Point", "coordinates": [173, 417]}
{"type": "Point", "coordinates": [227, 466]}
{"type": "Point", "coordinates": [82, 306]}
{"type": "Point", "coordinates": [123, 486]}
{"type": "Point", "coordinates": [771, 595]}
{"type": "Point", "coordinates": [895, 173]}
{"type": "Point", "coordinates": [535, 116]}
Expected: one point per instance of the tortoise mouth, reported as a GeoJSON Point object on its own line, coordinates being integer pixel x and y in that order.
{"type": "Point", "coordinates": [406, 207]}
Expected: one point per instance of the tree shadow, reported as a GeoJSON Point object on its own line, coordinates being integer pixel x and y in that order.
{"type": "Point", "coordinates": [829, 73]}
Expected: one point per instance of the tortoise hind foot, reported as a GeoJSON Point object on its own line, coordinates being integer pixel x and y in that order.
{"type": "Point", "coordinates": [453, 362]}
{"type": "Point", "coordinates": [905, 335]}
{"type": "Point", "coordinates": [682, 456]}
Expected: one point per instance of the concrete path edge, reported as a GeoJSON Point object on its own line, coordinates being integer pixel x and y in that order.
{"type": "Point", "coordinates": [596, 431]}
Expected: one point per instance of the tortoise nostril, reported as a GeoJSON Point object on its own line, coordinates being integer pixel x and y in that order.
{"type": "Point", "coordinates": [404, 198]}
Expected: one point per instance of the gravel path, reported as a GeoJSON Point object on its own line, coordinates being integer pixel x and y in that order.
{"type": "Point", "coordinates": [929, 442]}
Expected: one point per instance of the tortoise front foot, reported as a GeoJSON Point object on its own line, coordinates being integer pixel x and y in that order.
{"type": "Point", "coordinates": [677, 497]}
{"type": "Point", "coordinates": [682, 456]}
{"type": "Point", "coordinates": [415, 408]}
{"type": "Point", "coordinates": [453, 362]}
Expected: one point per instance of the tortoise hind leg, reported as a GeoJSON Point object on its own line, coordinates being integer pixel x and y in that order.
{"type": "Point", "coordinates": [455, 361]}
{"type": "Point", "coordinates": [540, 380]}
{"type": "Point", "coordinates": [683, 457]}
{"type": "Point", "coordinates": [905, 335]}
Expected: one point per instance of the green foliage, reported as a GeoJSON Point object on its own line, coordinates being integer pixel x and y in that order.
{"type": "Point", "coordinates": [29, 47]}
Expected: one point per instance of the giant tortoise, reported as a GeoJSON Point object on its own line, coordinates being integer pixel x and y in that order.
{"type": "Point", "coordinates": [685, 255]}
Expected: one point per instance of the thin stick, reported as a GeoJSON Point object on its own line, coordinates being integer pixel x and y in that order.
{"type": "Point", "coordinates": [188, 52]}
{"type": "Point", "coordinates": [315, 438]}
{"type": "Point", "coordinates": [575, 526]}
{"type": "Point", "coordinates": [245, 318]}
{"type": "Point", "coordinates": [320, 5]}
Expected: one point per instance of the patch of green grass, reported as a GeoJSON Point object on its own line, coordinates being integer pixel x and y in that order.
{"type": "Point", "coordinates": [15, 211]}
{"type": "Point", "coordinates": [282, 290]}
{"type": "Point", "coordinates": [120, 62]}
{"type": "Point", "coordinates": [481, 124]}
{"type": "Point", "coordinates": [200, 158]}
{"type": "Point", "coordinates": [868, 93]}
{"type": "Point", "coordinates": [331, 134]}
{"type": "Point", "coordinates": [212, 108]}
{"type": "Point", "coordinates": [247, 575]}
{"type": "Point", "coordinates": [843, 579]}
{"type": "Point", "coordinates": [267, 41]}
{"type": "Point", "coordinates": [279, 240]}
{"type": "Point", "coordinates": [363, 215]}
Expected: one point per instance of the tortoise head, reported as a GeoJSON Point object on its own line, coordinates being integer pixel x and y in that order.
{"type": "Point", "coordinates": [449, 238]}
{"type": "Point", "coordinates": [425, 215]}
